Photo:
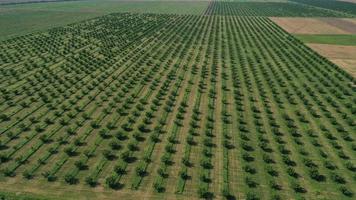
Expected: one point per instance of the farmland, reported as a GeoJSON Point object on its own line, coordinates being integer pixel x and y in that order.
{"type": "Point", "coordinates": [285, 9]}
{"type": "Point", "coordinates": [27, 18]}
{"type": "Point", "coordinates": [207, 103]}
{"type": "Point", "coordinates": [333, 38]}
{"type": "Point", "coordinates": [342, 6]}
{"type": "Point", "coordinates": [347, 40]}
{"type": "Point", "coordinates": [343, 55]}
{"type": "Point", "coordinates": [317, 26]}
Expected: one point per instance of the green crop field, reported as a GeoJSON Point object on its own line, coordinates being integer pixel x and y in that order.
{"type": "Point", "coordinates": [211, 105]}
{"type": "Point", "coordinates": [349, 40]}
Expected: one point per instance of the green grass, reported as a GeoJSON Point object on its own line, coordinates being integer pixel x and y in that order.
{"type": "Point", "coordinates": [20, 19]}
{"type": "Point", "coordinates": [349, 40]}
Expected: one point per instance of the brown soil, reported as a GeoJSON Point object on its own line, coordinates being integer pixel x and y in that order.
{"type": "Point", "coordinates": [347, 65]}
{"type": "Point", "coordinates": [352, 20]}
{"type": "Point", "coordinates": [343, 56]}
{"type": "Point", "coordinates": [297, 25]}
{"type": "Point", "coordinates": [335, 51]}
{"type": "Point", "coordinates": [348, 25]}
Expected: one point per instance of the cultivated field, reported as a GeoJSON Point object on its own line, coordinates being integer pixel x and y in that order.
{"type": "Point", "coordinates": [341, 40]}
{"type": "Point", "coordinates": [348, 64]}
{"type": "Point", "coordinates": [24, 1]}
{"type": "Point", "coordinates": [20, 19]}
{"type": "Point", "coordinates": [301, 25]}
{"type": "Point", "coordinates": [338, 6]}
{"type": "Point", "coordinates": [281, 9]}
{"type": "Point", "coordinates": [335, 51]}
{"type": "Point", "coordinates": [218, 104]}
{"type": "Point", "coordinates": [341, 55]}
{"type": "Point", "coordinates": [334, 38]}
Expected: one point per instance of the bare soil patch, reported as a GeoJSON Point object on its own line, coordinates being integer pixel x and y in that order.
{"type": "Point", "coordinates": [335, 51]}
{"type": "Point", "coordinates": [343, 56]}
{"type": "Point", "coordinates": [306, 26]}
{"type": "Point", "coordinates": [299, 25]}
{"type": "Point", "coordinates": [347, 64]}
{"type": "Point", "coordinates": [352, 20]}
{"type": "Point", "coordinates": [348, 25]}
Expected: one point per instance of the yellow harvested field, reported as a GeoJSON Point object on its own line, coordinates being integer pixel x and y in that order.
{"type": "Point", "coordinates": [300, 25]}
{"type": "Point", "coordinates": [343, 56]}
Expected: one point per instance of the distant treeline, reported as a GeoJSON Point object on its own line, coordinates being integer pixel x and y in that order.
{"type": "Point", "coordinates": [13, 2]}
